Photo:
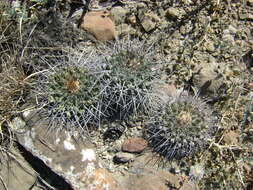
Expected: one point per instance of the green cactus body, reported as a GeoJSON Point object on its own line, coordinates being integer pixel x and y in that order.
{"type": "Point", "coordinates": [182, 128]}
{"type": "Point", "coordinates": [71, 96]}
{"type": "Point", "coordinates": [130, 76]}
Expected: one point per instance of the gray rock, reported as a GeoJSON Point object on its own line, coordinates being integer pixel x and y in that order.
{"type": "Point", "coordinates": [173, 13]}
{"type": "Point", "coordinates": [208, 77]}
{"type": "Point", "coordinates": [17, 124]}
{"type": "Point", "coordinates": [17, 173]}
{"type": "Point", "coordinates": [148, 25]}
{"type": "Point", "coordinates": [75, 161]}
{"type": "Point", "coordinates": [149, 21]}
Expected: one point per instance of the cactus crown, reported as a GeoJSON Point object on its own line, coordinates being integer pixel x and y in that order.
{"type": "Point", "coordinates": [72, 87]}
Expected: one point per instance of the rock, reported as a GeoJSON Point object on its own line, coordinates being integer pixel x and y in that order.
{"type": "Point", "coordinates": [17, 173]}
{"type": "Point", "coordinates": [148, 25]}
{"type": "Point", "coordinates": [148, 20]}
{"type": "Point", "coordinates": [173, 13]}
{"type": "Point", "coordinates": [125, 29]}
{"type": "Point", "coordinates": [119, 15]}
{"type": "Point", "coordinates": [17, 124]}
{"type": "Point", "coordinates": [165, 92]}
{"type": "Point", "coordinates": [207, 79]}
{"type": "Point", "coordinates": [99, 25]}
{"type": "Point", "coordinates": [123, 157]}
{"type": "Point", "coordinates": [231, 138]}
{"type": "Point", "coordinates": [134, 145]}
{"type": "Point", "coordinates": [149, 180]}
{"type": "Point", "coordinates": [98, 179]}
{"type": "Point", "coordinates": [250, 85]}
{"type": "Point", "coordinates": [189, 185]}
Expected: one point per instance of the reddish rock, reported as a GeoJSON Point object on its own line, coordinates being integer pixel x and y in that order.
{"type": "Point", "coordinates": [250, 85]}
{"type": "Point", "coordinates": [134, 145]}
{"type": "Point", "coordinates": [100, 25]}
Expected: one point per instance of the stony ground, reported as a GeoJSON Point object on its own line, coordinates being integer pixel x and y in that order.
{"type": "Point", "coordinates": [208, 48]}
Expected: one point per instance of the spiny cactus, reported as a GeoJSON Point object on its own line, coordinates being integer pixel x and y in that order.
{"type": "Point", "coordinates": [182, 128]}
{"type": "Point", "coordinates": [132, 70]}
{"type": "Point", "coordinates": [70, 94]}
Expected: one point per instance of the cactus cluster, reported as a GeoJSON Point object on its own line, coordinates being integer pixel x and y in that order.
{"type": "Point", "coordinates": [107, 86]}
{"type": "Point", "coordinates": [118, 84]}
{"type": "Point", "coordinates": [182, 128]}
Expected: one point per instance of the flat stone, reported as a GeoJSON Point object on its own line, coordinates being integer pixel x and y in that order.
{"type": "Point", "coordinates": [16, 173]}
{"type": "Point", "coordinates": [149, 180]}
{"type": "Point", "coordinates": [134, 145]}
{"type": "Point", "coordinates": [99, 179]}
{"type": "Point", "coordinates": [100, 25]}
{"type": "Point", "coordinates": [123, 157]}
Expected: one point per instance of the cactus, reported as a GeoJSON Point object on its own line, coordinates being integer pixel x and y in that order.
{"type": "Point", "coordinates": [70, 94]}
{"type": "Point", "coordinates": [181, 129]}
{"type": "Point", "coordinates": [131, 74]}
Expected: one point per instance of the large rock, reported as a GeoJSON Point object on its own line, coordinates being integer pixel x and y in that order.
{"type": "Point", "coordinates": [100, 25]}
{"type": "Point", "coordinates": [62, 155]}
{"type": "Point", "coordinates": [17, 173]}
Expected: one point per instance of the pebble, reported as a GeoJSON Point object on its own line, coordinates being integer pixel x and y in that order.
{"type": "Point", "coordinates": [134, 145]}
{"type": "Point", "coordinates": [123, 157]}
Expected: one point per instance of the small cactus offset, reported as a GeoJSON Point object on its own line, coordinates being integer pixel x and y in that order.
{"type": "Point", "coordinates": [182, 128]}
{"type": "Point", "coordinates": [70, 95]}
{"type": "Point", "coordinates": [132, 70]}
